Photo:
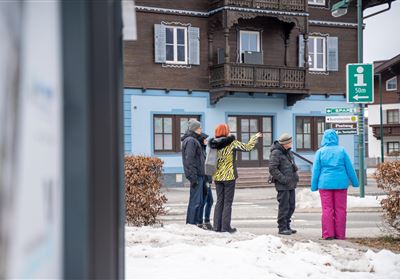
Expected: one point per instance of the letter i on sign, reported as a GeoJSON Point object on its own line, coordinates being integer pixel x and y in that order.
{"type": "Point", "coordinates": [360, 77]}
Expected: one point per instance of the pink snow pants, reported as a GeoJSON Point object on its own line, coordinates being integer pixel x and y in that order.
{"type": "Point", "coordinates": [334, 206]}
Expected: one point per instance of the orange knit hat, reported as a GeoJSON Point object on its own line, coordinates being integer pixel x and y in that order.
{"type": "Point", "coordinates": [222, 130]}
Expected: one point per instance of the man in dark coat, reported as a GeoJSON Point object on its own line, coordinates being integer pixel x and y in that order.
{"type": "Point", "coordinates": [283, 170]}
{"type": "Point", "coordinates": [193, 158]}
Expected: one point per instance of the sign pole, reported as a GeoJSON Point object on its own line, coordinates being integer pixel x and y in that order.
{"type": "Point", "coordinates": [361, 152]}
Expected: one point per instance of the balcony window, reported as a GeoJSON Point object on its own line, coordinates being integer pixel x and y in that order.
{"type": "Point", "coordinates": [393, 116]}
{"type": "Point", "coordinates": [317, 2]}
{"type": "Point", "coordinates": [317, 53]}
{"type": "Point", "coordinates": [391, 84]}
{"type": "Point", "coordinates": [249, 41]}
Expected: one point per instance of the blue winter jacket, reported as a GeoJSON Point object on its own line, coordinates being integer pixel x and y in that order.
{"type": "Point", "coordinates": [332, 167]}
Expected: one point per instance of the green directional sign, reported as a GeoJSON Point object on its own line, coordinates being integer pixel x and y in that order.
{"type": "Point", "coordinates": [339, 110]}
{"type": "Point", "coordinates": [360, 83]}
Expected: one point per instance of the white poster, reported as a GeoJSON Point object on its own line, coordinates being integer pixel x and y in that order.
{"type": "Point", "coordinates": [35, 218]}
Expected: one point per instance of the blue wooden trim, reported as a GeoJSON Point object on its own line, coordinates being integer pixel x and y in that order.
{"type": "Point", "coordinates": [174, 93]}
{"type": "Point", "coordinates": [172, 112]}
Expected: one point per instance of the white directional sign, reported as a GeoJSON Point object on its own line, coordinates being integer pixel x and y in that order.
{"type": "Point", "coordinates": [341, 119]}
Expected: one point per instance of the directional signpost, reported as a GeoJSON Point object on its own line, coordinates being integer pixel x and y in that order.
{"type": "Point", "coordinates": [344, 125]}
{"type": "Point", "coordinates": [360, 89]}
{"type": "Point", "coordinates": [360, 83]}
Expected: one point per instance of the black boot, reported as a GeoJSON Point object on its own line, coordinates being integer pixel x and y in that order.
{"type": "Point", "coordinates": [208, 226]}
{"type": "Point", "coordinates": [285, 231]}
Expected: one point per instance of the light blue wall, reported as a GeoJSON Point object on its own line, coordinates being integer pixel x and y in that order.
{"type": "Point", "coordinates": [139, 108]}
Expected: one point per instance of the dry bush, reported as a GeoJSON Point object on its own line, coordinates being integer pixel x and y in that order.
{"type": "Point", "coordinates": [388, 179]}
{"type": "Point", "coordinates": [143, 198]}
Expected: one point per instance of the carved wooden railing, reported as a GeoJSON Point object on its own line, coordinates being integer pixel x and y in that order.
{"type": "Point", "coordinates": [256, 76]}
{"type": "Point", "coordinates": [388, 130]}
{"type": "Point", "coordinates": [284, 5]}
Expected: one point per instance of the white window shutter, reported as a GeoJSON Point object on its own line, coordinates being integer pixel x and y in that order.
{"type": "Point", "coordinates": [384, 116]}
{"type": "Point", "coordinates": [301, 51]}
{"type": "Point", "coordinates": [333, 54]}
{"type": "Point", "coordinates": [159, 43]}
{"type": "Point", "coordinates": [194, 45]}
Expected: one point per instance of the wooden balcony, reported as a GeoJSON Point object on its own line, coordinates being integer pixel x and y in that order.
{"type": "Point", "coordinates": [282, 5]}
{"type": "Point", "coordinates": [388, 130]}
{"type": "Point", "coordinates": [257, 78]}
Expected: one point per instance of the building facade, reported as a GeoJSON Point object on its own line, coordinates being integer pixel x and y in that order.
{"type": "Point", "coordinates": [268, 66]}
{"type": "Point", "coordinates": [390, 74]}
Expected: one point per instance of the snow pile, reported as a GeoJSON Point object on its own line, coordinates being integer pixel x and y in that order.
{"type": "Point", "coordinates": [308, 199]}
{"type": "Point", "coordinates": [184, 251]}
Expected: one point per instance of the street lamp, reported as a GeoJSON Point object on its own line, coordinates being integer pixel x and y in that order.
{"type": "Point", "coordinates": [340, 8]}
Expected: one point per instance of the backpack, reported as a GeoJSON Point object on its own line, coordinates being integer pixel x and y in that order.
{"type": "Point", "coordinates": [211, 162]}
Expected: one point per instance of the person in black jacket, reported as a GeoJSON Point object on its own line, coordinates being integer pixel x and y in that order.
{"type": "Point", "coordinates": [208, 200]}
{"type": "Point", "coordinates": [193, 157]}
{"type": "Point", "coordinates": [283, 170]}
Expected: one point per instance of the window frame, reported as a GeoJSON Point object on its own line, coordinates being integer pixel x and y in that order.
{"type": "Point", "coordinates": [314, 121]}
{"type": "Point", "coordinates": [240, 41]}
{"type": "Point", "coordinates": [395, 111]}
{"type": "Point", "coordinates": [315, 54]}
{"type": "Point", "coordinates": [389, 80]}
{"type": "Point", "coordinates": [176, 132]}
{"type": "Point", "coordinates": [313, 2]}
{"type": "Point", "coordinates": [175, 45]}
{"type": "Point", "coordinates": [392, 142]}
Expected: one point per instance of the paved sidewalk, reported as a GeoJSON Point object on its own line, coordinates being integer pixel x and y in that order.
{"type": "Point", "coordinates": [255, 211]}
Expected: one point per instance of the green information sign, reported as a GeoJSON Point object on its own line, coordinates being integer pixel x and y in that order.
{"type": "Point", "coordinates": [360, 83]}
{"type": "Point", "coordinates": [340, 110]}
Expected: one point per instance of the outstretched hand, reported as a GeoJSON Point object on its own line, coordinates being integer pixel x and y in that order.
{"type": "Point", "coordinates": [259, 135]}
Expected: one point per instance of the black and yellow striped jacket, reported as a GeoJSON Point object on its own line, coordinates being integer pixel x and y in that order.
{"type": "Point", "coordinates": [226, 166]}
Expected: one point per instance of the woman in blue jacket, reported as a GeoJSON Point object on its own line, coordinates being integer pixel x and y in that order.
{"type": "Point", "coordinates": [331, 172]}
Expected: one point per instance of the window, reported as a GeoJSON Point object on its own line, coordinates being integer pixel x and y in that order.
{"type": "Point", "coordinates": [317, 2]}
{"type": "Point", "coordinates": [317, 53]}
{"type": "Point", "coordinates": [168, 130]}
{"type": "Point", "coordinates": [393, 148]}
{"type": "Point", "coordinates": [309, 132]}
{"type": "Point", "coordinates": [392, 116]}
{"type": "Point", "coordinates": [249, 41]}
{"type": "Point", "coordinates": [391, 84]}
{"type": "Point", "coordinates": [176, 44]}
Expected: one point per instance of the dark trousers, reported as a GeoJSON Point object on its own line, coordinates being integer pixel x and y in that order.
{"type": "Point", "coordinates": [194, 214]}
{"type": "Point", "coordinates": [287, 204]}
{"type": "Point", "coordinates": [208, 203]}
{"type": "Point", "coordinates": [223, 207]}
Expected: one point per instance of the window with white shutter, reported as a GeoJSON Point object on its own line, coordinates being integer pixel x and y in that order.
{"type": "Point", "coordinates": [323, 53]}
{"type": "Point", "coordinates": [317, 53]}
{"type": "Point", "coordinates": [333, 53]}
{"type": "Point", "coordinates": [177, 44]}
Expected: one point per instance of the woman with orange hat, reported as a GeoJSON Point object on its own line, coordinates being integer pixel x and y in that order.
{"type": "Point", "coordinates": [226, 173]}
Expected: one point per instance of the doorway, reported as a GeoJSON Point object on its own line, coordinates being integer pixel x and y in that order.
{"type": "Point", "coordinates": [244, 127]}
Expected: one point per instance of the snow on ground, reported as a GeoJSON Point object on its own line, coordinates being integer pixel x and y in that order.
{"type": "Point", "coordinates": [308, 199]}
{"type": "Point", "coordinates": [184, 251]}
